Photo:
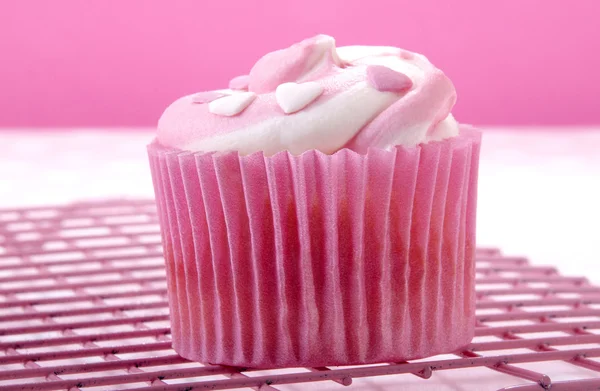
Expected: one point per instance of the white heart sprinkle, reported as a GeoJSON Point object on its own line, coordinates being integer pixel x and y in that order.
{"type": "Point", "coordinates": [231, 105]}
{"type": "Point", "coordinates": [292, 97]}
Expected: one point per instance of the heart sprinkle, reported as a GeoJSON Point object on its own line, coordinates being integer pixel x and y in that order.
{"type": "Point", "coordinates": [387, 80]}
{"type": "Point", "coordinates": [231, 105]}
{"type": "Point", "coordinates": [240, 82]}
{"type": "Point", "coordinates": [293, 97]}
{"type": "Point", "coordinates": [207, 96]}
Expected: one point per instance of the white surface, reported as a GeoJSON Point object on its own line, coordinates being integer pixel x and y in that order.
{"type": "Point", "coordinates": [539, 192]}
{"type": "Point", "coordinates": [539, 196]}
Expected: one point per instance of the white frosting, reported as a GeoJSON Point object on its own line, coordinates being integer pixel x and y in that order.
{"type": "Point", "coordinates": [382, 55]}
{"type": "Point", "coordinates": [351, 111]}
{"type": "Point", "coordinates": [446, 128]}
{"type": "Point", "coordinates": [324, 47]}
{"type": "Point", "coordinates": [325, 127]}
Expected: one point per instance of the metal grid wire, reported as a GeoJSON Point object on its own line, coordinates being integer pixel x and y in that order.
{"type": "Point", "coordinates": [83, 305]}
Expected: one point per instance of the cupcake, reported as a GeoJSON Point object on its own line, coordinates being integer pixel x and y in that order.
{"type": "Point", "coordinates": [319, 211]}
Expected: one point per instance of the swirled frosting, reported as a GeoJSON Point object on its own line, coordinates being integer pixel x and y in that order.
{"type": "Point", "coordinates": [313, 95]}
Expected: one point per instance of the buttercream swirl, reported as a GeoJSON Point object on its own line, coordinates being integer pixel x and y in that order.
{"type": "Point", "coordinates": [313, 95]}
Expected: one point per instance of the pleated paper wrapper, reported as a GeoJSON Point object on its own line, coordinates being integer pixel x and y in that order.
{"type": "Point", "coordinates": [319, 259]}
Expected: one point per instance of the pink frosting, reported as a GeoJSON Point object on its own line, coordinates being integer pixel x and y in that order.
{"type": "Point", "coordinates": [309, 59]}
{"type": "Point", "coordinates": [372, 97]}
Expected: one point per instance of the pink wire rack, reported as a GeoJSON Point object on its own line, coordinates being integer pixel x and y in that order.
{"type": "Point", "coordinates": [83, 305]}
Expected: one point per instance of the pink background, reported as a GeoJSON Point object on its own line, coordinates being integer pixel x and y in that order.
{"type": "Point", "coordinates": [116, 62]}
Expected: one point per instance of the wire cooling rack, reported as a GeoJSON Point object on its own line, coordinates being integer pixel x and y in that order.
{"type": "Point", "coordinates": [83, 305]}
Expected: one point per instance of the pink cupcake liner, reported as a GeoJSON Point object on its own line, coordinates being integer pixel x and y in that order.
{"type": "Point", "coordinates": [319, 259]}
